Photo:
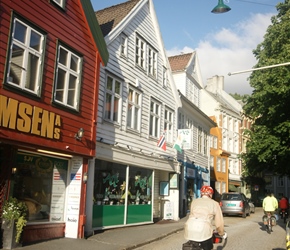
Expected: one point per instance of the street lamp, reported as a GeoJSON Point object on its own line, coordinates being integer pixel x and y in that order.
{"type": "Point", "coordinates": [220, 8]}
{"type": "Point", "coordinates": [260, 68]}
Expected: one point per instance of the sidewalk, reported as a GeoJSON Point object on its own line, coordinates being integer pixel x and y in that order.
{"type": "Point", "coordinates": [126, 238]}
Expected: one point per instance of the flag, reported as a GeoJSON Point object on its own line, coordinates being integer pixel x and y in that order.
{"type": "Point", "coordinates": [177, 144]}
{"type": "Point", "coordinates": [161, 142]}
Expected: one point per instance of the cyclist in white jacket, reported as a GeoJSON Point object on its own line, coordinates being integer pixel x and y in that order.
{"type": "Point", "coordinates": [203, 212]}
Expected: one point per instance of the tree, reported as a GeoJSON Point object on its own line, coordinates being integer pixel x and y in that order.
{"type": "Point", "coordinates": [269, 105]}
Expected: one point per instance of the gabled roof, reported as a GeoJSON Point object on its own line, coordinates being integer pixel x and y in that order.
{"type": "Point", "coordinates": [110, 17]}
{"type": "Point", "coordinates": [180, 62]}
{"type": "Point", "coordinates": [94, 27]}
{"type": "Point", "coordinates": [113, 20]}
{"type": "Point", "coordinates": [210, 122]}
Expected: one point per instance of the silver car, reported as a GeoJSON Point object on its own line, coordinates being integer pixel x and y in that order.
{"type": "Point", "coordinates": [234, 204]}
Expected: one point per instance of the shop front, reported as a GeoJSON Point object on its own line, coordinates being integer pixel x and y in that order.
{"type": "Point", "coordinates": [50, 186]}
{"type": "Point", "coordinates": [194, 177]}
{"type": "Point", "coordinates": [122, 194]}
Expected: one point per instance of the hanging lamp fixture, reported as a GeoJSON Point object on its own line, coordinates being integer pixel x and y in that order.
{"type": "Point", "coordinates": [220, 8]}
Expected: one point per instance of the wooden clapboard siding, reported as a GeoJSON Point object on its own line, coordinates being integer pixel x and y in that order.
{"type": "Point", "coordinates": [124, 69]}
{"type": "Point", "coordinates": [68, 26]}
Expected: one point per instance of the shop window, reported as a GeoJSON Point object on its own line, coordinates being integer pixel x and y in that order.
{"type": "Point", "coordinates": [40, 182]}
{"type": "Point", "coordinates": [111, 184]}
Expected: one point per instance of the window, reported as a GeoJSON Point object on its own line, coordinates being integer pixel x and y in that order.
{"type": "Point", "coordinates": [154, 127]}
{"type": "Point", "coordinates": [181, 121]}
{"type": "Point", "coordinates": [205, 142]}
{"type": "Point", "coordinates": [152, 62]}
{"type": "Point", "coordinates": [199, 139]}
{"type": "Point", "coordinates": [113, 99]}
{"type": "Point", "coordinates": [223, 165]}
{"type": "Point", "coordinates": [218, 164]}
{"type": "Point", "coordinates": [211, 162]}
{"type": "Point", "coordinates": [41, 182]}
{"type": "Point", "coordinates": [165, 79]}
{"type": "Point", "coordinates": [60, 3]}
{"type": "Point", "coordinates": [140, 52]}
{"type": "Point", "coordinates": [134, 109]}
{"type": "Point", "coordinates": [280, 181]}
{"type": "Point", "coordinates": [123, 45]}
{"type": "Point", "coordinates": [215, 139]}
{"type": "Point", "coordinates": [168, 125]}
{"type": "Point", "coordinates": [68, 75]}
{"type": "Point", "coordinates": [25, 57]}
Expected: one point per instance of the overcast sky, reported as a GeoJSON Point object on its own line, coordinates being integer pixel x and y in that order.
{"type": "Point", "coordinates": [224, 42]}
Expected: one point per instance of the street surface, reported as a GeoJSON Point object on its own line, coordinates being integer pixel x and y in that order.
{"type": "Point", "coordinates": [243, 234]}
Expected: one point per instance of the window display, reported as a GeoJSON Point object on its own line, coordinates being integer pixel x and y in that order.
{"type": "Point", "coordinates": [40, 182]}
{"type": "Point", "coordinates": [111, 184]}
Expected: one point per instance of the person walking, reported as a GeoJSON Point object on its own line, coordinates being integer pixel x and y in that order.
{"type": "Point", "coordinates": [203, 212]}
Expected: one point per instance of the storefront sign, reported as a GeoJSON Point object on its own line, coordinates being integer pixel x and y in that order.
{"type": "Point", "coordinates": [168, 210]}
{"type": "Point", "coordinates": [186, 135]}
{"type": "Point", "coordinates": [30, 119]}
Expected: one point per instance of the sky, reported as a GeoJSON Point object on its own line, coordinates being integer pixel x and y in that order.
{"type": "Point", "coordinates": [224, 42]}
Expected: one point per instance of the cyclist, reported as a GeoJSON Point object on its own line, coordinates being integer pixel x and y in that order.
{"type": "Point", "coordinates": [283, 204]}
{"type": "Point", "coordinates": [203, 212]}
{"type": "Point", "coordinates": [270, 204]}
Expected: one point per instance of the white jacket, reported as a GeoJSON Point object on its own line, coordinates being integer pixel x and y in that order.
{"type": "Point", "coordinates": [203, 213]}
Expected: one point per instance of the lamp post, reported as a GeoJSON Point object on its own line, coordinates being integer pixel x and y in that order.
{"type": "Point", "coordinates": [260, 68]}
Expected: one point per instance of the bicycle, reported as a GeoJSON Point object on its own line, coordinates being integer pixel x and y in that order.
{"type": "Point", "coordinates": [269, 222]}
{"type": "Point", "coordinates": [193, 245]}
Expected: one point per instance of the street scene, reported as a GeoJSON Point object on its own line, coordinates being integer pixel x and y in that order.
{"type": "Point", "coordinates": [242, 233]}
{"type": "Point", "coordinates": [119, 119]}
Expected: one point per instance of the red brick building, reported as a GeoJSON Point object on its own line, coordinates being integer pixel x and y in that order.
{"type": "Point", "coordinates": [51, 52]}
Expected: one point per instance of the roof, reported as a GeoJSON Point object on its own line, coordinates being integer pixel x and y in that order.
{"type": "Point", "coordinates": [110, 17]}
{"type": "Point", "coordinates": [180, 62]}
{"type": "Point", "coordinates": [198, 110]}
{"type": "Point", "coordinates": [95, 30]}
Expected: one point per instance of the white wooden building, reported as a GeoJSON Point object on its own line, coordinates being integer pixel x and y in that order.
{"type": "Point", "coordinates": [133, 180]}
{"type": "Point", "coordinates": [195, 156]}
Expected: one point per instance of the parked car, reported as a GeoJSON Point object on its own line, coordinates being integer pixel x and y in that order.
{"type": "Point", "coordinates": [252, 206]}
{"type": "Point", "coordinates": [234, 203]}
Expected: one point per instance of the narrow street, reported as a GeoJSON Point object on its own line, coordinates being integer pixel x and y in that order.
{"type": "Point", "coordinates": [243, 234]}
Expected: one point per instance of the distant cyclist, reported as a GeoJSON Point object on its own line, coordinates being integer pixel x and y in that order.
{"type": "Point", "coordinates": [284, 204]}
{"type": "Point", "coordinates": [270, 204]}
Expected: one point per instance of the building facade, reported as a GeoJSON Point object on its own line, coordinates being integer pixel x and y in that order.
{"type": "Point", "coordinates": [134, 177]}
{"type": "Point", "coordinates": [195, 125]}
{"type": "Point", "coordinates": [215, 102]}
{"type": "Point", "coordinates": [48, 94]}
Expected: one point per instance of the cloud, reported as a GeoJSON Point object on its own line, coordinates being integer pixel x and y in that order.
{"type": "Point", "coordinates": [230, 50]}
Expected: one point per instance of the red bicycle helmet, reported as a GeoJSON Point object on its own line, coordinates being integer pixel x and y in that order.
{"type": "Point", "coordinates": [206, 190]}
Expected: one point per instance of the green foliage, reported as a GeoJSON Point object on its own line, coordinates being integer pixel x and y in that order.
{"type": "Point", "coordinates": [14, 210]}
{"type": "Point", "coordinates": [269, 146]}
{"type": "Point", "coordinates": [238, 97]}
{"type": "Point", "coordinates": [21, 222]}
